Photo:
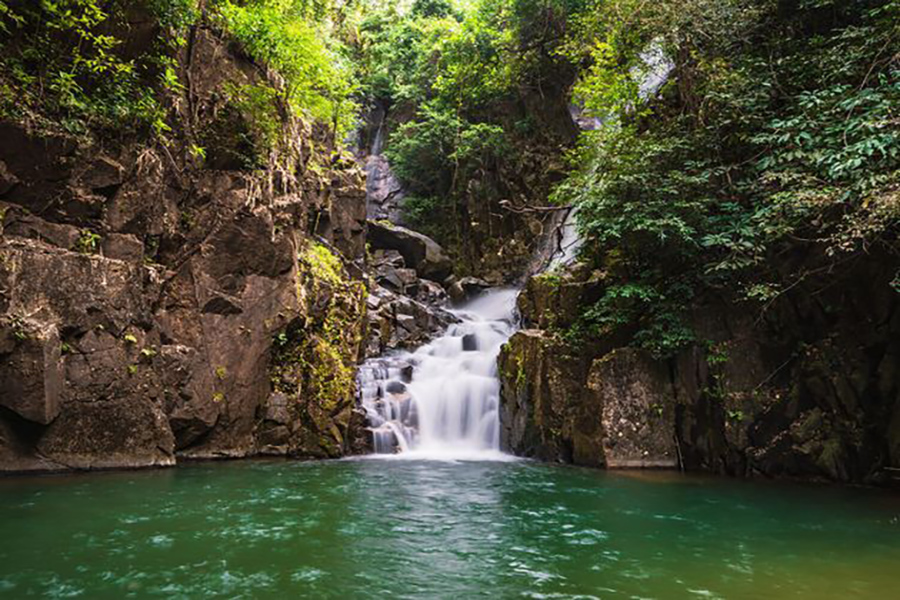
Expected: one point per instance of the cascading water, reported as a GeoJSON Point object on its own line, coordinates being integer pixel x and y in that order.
{"type": "Point", "coordinates": [384, 192]}
{"type": "Point", "coordinates": [568, 242]}
{"type": "Point", "coordinates": [442, 400]}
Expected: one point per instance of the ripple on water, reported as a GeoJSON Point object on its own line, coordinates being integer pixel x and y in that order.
{"type": "Point", "coordinates": [162, 541]}
{"type": "Point", "coordinates": [363, 528]}
{"type": "Point", "coordinates": [307, 575]}
{"type": "Point", "coordinates": [586, 537]}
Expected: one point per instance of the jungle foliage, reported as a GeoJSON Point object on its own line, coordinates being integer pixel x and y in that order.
{"type": "Point", "coordinates": [86, 65]}
{"type": "Point", "coordinates": [301, 41]}
{"type": "Point", "coordinates": [457, 79]}
{"type": "Point", "coordinates": [774, 126]}
{"type": "Point", "coordinates": [770, 124]}
{"type": "Point", "coordinates": [779, 126]}
{"type": "Point", "coordinates": [66, 64]}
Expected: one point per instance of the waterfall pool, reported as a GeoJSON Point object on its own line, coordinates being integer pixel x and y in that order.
{"type": "Point", "coordinates": [382, 528]}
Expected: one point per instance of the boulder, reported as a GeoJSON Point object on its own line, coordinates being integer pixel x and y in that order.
{"type": "Point", "coordinates": [419, 251]}
{"type": "Point", "coordinates": [552, 300]}
{"type": "Point", "coordinates": [432, 293]}
{"type": "Point", "coordinates": [401, 322]}
{"type": "Point", "coordinates": [31, 370]}
{"type": "Point", "coordinates": [395, 387]}
{"type": "Point", "coordinates": [469, 342]}
{"type": "Point", "coordinates": [461, 290]}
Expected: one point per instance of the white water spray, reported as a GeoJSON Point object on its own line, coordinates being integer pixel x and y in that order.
{"type": "Point", "coordinates": [442, 400]}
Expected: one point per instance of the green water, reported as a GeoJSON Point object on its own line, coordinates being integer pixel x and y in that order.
{"type": "Point", "coordinates": [387, 528]}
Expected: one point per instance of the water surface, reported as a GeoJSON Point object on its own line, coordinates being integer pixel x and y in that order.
{"type": "Point", "coordinates": [429, 529]}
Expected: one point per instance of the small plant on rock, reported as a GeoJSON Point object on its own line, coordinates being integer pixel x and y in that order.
{"type": "Point", "coordinates": [88, 242]}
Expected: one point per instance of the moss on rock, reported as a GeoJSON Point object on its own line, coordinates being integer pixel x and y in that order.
{"type": "Point", "coordinates": [314, 357]}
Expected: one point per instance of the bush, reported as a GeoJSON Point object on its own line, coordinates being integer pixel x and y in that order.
{"type": "Point", "coordinates": [63, 66]}
{"type": "Point", "coordinates": [282, 35]}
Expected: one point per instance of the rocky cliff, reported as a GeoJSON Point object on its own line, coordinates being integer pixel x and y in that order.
{"type": "Point", "coordinates": [157, 304]}
{"type": "Point", "coordinates": [804, 386]}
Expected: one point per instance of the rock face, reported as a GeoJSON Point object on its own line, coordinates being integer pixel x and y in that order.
{"type": "Point", "coordinates": [636, 416]}
{"type": "Point", "coordinates": [154, 308]}
{"type": "Point", "coordinates": [808, 388]}
{"type": "Point", "coordinates": [466, 288]}
{"type": "Point", "coordinates": [384, 192]}
{"type": "Point", "coordinates": [541, 399]}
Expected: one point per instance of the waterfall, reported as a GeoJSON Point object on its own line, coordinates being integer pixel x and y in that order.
{"type": "Point", "coordinates": [384, 192]}
{"type": "Point", "coordinates": [442, 400]}
{"type": "Point", "coordinates": [566, 240]}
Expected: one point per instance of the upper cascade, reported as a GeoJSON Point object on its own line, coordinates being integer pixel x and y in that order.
{"type": "Point", "coordinates": [384, 192]}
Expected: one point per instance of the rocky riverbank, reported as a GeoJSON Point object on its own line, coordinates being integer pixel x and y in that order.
{"type": "Point", "coordinates": [155, 306]}
{"type": "Point", "coordinates": [805, 388]}
{"type": "Point", "coordinates": [161, 301]}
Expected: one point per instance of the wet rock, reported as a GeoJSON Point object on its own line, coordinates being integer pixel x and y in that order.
{"type": "Point", "coordinates": [395, 387]}
{"type": "Point", "coordinates": [384, 192]}
{"type": "Point", "coordinates": [638, 410]}
{"type": "Point", "coordinates": [469, 342]}
{"type": "Point", "coordinates": [397, 321]}
{"type": "Point", "coordinates": [466, 288]}
{"type": "Point", "coordinates": [541, 398]}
